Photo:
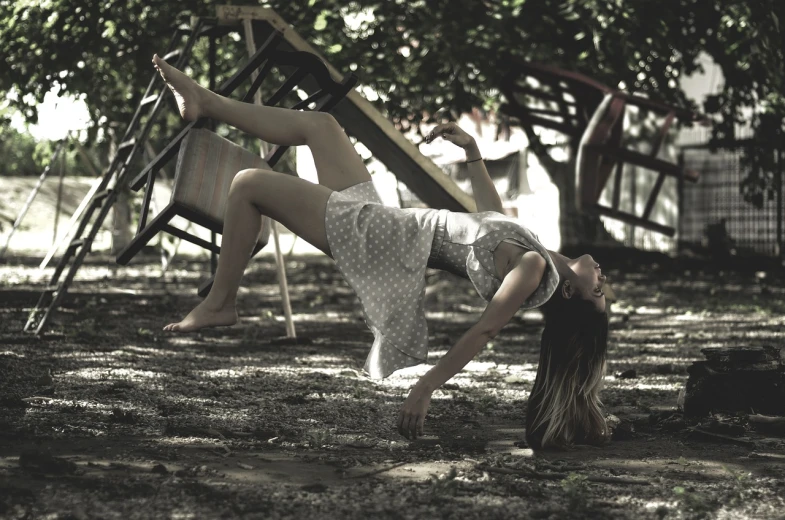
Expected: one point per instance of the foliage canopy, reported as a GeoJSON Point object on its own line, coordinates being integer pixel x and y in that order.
{"type": "Point", "coordinates": [420, 56]}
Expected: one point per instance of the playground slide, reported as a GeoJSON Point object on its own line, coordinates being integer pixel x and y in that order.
{"type": "Point", "coordinates": [363, 121]}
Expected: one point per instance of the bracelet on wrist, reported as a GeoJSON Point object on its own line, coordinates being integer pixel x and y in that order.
{"type": "Point", "coordinates": [474, 160]}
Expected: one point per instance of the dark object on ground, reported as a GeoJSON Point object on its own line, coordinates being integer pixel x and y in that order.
{"type": "Point", "coordinates": [123, 416]}
{"type": "Point", "coordinates": [43, 462]}
{"type": "Point", "coordinates": [721, 245]}
{"type": "Point", "coordinates": [291, 341]}
{"type": "Point", "coordinates": [723, 427]}
{"type": "Point", "coordinates": [548, 475]}
{"type": "Point", "coordinates": [668, 368]}
{"type": "Point", "coordinates": [624, 432]}
{"type": "Point", "coordinates": [703, 435]}
{"type": "Point", "coordinates": [46, 379]}
{"type": "Point", "coordinates": [737, 379]}
{"type": "Point", "coordinates": [768, 424]}
{"type": "Point", "coordinates": [628, 374]}
{"type": "Point", "coordinates": [12, 401]}
{"type": "Point", "coordinates": [667, 421]}
{"type": "Point", "coordinates": [160, 469]}
{"type": "Point", "coordinates": [621, 430]}
{"type": "Point", "coordinates": [314, 488]}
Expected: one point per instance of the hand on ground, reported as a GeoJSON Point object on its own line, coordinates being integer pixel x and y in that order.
{"type": "Point", "coordinates": [412, 416]}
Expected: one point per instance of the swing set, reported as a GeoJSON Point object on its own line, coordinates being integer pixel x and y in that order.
{"type": "Point", "coordinates": [592, 114]}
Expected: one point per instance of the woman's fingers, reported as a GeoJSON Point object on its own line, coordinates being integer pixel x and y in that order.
{"type": "Point", "coordinates": [410, 425]}
{"type": "Point", "coordinates": [411, 431]}
{"type": "Point", "coordinates": [405, 426]}
{"type": "Point", "coordinates": [444, 129]}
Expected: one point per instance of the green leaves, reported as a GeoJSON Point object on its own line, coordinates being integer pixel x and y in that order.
{"type": "Point", "coordinates": [321, 21]}
{"type": "Point", "coordinates": [105, 48]}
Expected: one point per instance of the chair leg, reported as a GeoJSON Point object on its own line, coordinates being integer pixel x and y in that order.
{"type": "Point", "coordinates": [205, 286]}
{"type": "Point", "coordinates": [634, 220]}
{"type": "Point", "coordinates": [145, 235]}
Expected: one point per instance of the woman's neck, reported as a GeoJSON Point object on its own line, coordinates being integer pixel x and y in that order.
{"type": "Point", "coordinates": [565, 259]}
{"type": "Point", "coordinates": [562, 264]}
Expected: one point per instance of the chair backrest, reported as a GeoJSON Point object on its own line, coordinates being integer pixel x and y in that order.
{"type": "Point", "coordinates": [594, 168]}
{"type": "Point", "coordinates": [206, 165]}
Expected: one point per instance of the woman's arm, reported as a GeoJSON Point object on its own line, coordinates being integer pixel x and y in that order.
{"type": "Point", "coordinates": [517, 286]}
{"type": "Point", "coordinates": [485, 194]}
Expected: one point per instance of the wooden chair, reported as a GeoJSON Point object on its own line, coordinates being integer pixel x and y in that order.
{"type": "Point", "coordinates": [207, 163]}
{"type": "Point", "coordinates": [600, 151]}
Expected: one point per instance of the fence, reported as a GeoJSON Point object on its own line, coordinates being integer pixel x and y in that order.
{"type": "Point", "coordinates": [714, 216]}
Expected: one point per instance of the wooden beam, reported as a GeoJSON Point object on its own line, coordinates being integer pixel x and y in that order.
{"type": "Point", "coordinates": [362, 120]}
{"type": "Point", "coordinates": [633, 219]}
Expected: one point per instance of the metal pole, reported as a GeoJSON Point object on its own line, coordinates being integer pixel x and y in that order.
{"type": "Point", "coordinates": [279, 261]}
{"type": "Point", "coordinates": [31, 197]}
{"type": "Point", "coordinates": [633, 200]}
{"type": "Point", "coordinates": [59, 197]}
{"type": "Point", "coordinates": [680, 201]}
{"type": "Point", "coordinates": [212, 58]}
{"type": "Point", "coordinates": [85, 158]}
{"type": "Point", "coordinates": [778, 184]}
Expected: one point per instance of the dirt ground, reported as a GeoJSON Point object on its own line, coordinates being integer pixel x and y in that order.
{"type": "Point", "coordinates": [106, 416]}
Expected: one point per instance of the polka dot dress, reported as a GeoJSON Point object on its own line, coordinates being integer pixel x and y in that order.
{"type": "Point", "coordinates": [383, 252]}
{"type": "Point", "coordinates": [473, 237]}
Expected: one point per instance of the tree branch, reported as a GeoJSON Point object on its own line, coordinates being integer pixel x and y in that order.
{"type": "Point", "coordinates": [554, 168]}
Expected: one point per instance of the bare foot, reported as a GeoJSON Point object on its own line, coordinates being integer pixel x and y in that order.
{"type": "Point", "coordinates": [189, 94]}
{"type": "Point", "coordinates": [202, 316]}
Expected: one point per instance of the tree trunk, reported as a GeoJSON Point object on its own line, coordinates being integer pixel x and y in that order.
{"type": "Point", "coordinates": [121, 221]}
{"type": "Point", "coordinates": [121, 212]}
{"type": "Point", "coordinates": [577, 229]}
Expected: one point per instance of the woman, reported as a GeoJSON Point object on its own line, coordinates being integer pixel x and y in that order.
{"type": "Point", "coordinates": [383, 253]}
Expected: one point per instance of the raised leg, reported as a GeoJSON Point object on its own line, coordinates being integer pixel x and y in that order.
{"type": "Point", "coordinates": [296, 203]}
{"type": "Point", "coordinates": [337, 163]}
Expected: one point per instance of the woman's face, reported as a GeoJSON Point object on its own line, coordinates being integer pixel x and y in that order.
{"type": "Point", "coordinates": [588, 280]}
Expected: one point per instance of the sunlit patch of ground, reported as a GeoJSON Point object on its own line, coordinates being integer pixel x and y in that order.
{"type": "Point", "coordinates": [133, 422]}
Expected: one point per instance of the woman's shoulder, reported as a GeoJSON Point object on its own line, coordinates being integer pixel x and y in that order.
{"type": "Point", "coordinates": [495, 221]}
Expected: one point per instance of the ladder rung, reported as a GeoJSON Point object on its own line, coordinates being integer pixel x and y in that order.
{"type": "Point", "coordinates": [52, 288]}
{"type": "Point", "coordinates": [126, 145]}
{"type": "Point", "coordinates": [76, 244]}
{"type": "Point", "coordinates": [174, 54]}
{"type": "Point", "coordinates": [149, 99]}
{"type": "Point", "coordinates": [101, 195]}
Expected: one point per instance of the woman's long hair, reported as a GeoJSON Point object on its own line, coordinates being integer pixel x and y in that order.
{"type": "Point", "coordinates": [564, 405]}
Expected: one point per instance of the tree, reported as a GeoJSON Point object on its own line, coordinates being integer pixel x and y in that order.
{"type": "Point", "coordinates": [423, 56]}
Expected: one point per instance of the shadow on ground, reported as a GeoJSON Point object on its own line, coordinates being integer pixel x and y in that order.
{"type": "Point", "coordinates": [108, 416]}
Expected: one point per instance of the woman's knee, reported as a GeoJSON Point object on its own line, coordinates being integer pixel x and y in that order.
{"type": "Point", "coordinates": [321, 124]}
{"type": "Point", "coordinates": [247, 179]}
